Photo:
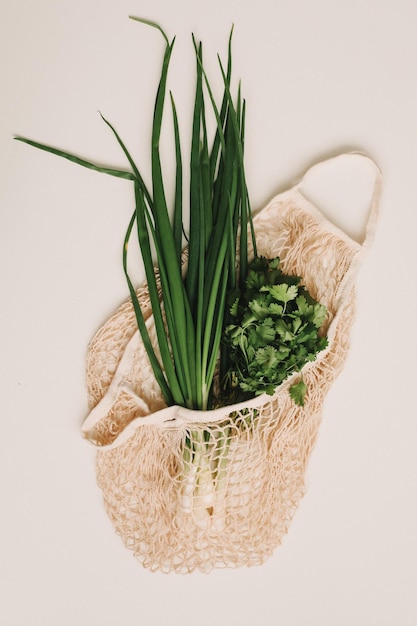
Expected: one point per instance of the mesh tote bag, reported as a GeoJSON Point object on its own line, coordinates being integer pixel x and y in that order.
{"type": "Point", "coordinates": [193, 490]}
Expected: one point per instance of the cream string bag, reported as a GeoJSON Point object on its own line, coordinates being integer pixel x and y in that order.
{"type": "Point", "coordinates": [255, 454]}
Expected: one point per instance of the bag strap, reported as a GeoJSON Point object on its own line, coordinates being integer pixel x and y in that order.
{"type": "Point", "coordinates": [344, 290]}
{"type": "Point", "coordinates": [376, 193]}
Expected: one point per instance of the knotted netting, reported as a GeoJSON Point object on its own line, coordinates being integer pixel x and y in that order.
{"type": "Point", "coordinates": [193, 490]}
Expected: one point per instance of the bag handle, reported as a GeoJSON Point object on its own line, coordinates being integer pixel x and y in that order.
{"type": "Point", "coordinates": [346, 285]}
{"type": "Point", "coordinates": [376, 193]}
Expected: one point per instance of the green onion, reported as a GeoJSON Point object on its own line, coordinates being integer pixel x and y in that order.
{"type": "Point", "coordinates": [190, 312]}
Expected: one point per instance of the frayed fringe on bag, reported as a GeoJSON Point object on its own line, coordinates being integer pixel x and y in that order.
{"type": "Point", "coordinates": [233, 506]}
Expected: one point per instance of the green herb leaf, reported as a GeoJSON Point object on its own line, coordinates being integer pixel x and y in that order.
{"type": "Point", "coordinates": [282, 292]}
{"type": "Point", "coordinates": [298, 392]}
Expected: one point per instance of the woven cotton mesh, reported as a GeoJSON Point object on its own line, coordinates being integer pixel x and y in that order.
{"type": "Point", "coordinates": [221, 494]}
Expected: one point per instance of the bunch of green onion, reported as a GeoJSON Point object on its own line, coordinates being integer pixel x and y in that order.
{"type": "Point", "coordinates": [190, 316]}
{"type": "Point", "coordinates": [189, 319]}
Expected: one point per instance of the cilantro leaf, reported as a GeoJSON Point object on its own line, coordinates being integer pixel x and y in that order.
{"type": "Point", "coordinates": [298, 392]}
{"type": "Point", "coordinates": [267, 357]}
{"type": "Point", "coordinates": [282, 292]}
{"type": "Point", "coordinates": [319, 315]}
{"type": "Point", "coordinates": [275, 309]}
{"type": "Point", "coordinates": [234, 308]}
{"type": "Point", "coordinates": [259, 307]}
{"type": "Point", "coordinates": [302, 305]}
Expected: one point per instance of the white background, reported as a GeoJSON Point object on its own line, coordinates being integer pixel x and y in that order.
{"type": "Point", "coordinates": [320, 77]}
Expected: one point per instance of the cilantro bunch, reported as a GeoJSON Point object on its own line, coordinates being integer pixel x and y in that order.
{"type": "Point", "coordinates": [273, 332]}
